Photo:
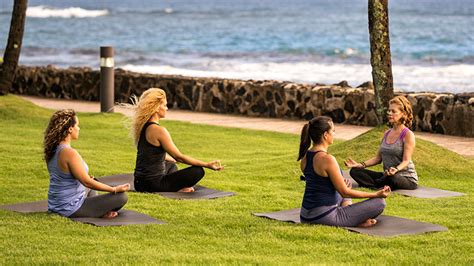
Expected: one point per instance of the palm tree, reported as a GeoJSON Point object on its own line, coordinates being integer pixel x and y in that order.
{"type": "Point", "coordinates": [12, 52]}
{"type": "Point", "coordinates": [380, 57]}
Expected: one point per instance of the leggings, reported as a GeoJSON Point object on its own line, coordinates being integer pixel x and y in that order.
{"type": "Point", "coordinates": [372, 179]}
{"type": "Point", "coordinates": [98, 206]}
{"type": "Point", "coordinates": [173, 181]}
{"type": "Point", "coordinates": [351, 215]}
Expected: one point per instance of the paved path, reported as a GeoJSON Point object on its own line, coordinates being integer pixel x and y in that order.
{"type": "Point", "coordinates": [461, 145]}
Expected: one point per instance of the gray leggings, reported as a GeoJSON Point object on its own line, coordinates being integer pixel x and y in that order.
{"type": "Point", "coordinates": [98, 206]}
{"type": "Point", "coordinates": [351, 215]}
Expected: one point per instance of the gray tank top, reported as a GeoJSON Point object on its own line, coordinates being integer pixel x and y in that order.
{"type": "Point", "coordinates": [392, 155]}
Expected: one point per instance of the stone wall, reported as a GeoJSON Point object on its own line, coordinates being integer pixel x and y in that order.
{"type": "Point", "coordinates": [451, 114]}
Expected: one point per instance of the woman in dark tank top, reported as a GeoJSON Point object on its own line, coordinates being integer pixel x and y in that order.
{"type": "Point", "coordinates": [395, 152]}
{"type": "Point", "coordinates": [155, 169]}
{"type": "Point", "coordinates": [323, 201]}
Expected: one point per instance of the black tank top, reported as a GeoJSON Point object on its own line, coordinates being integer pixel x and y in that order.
{"type": "Point", "coordinates": [150, 159]}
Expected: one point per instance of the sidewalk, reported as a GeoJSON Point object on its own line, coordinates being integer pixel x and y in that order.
{"type": "Point", "coordinates": [460, 145]}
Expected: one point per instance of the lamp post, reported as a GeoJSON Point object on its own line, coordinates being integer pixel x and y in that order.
{"type": "Point", "coordinates": [107, 79]}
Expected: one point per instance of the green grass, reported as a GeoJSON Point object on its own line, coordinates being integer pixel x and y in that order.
{"type": "Point", "coordinates": [260, 168]}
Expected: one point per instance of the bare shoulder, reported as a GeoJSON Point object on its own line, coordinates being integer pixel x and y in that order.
{"type": "Point", "coordinates": [326, 158]}
{"type": "Point", "coordinates": [69, 153]}
{"type": "Point", "coordinates": [409, 136]}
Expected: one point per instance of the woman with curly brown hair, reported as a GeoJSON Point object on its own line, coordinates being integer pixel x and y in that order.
{"type": "Point", "coordinates": [155, 169]}
{"type": "Point", "coordinates": [395, 152]}
{"type": "Point", "coordinates": [69, 176]}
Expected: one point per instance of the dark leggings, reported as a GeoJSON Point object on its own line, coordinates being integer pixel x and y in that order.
{"type": "Point", "coordinates": [352, 215]}
{"type": "Point", "coordinates": [173, 181]}
{"type": "Point", "coordinates": [372, 179]}
{"type": "Point", "coordinates": [98, 206]}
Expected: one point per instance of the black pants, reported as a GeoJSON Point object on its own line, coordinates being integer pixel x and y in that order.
{"type": "Point", "coordinates": [372, 179]}
{"type": "Point", "coordinates": [98, 206]}
{"type": "Point", "coordinates": [173, 181]}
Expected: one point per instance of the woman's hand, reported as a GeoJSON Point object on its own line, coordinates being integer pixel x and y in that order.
{"type": "Point", "coordinates": [215, 165]}
{"type": "Point", "coordinates": [352, 164]}
{"type": "Point", "coordinates": [390, 171]}
{"type": "Point", "coordinates": [384, 192]}
{"type": "Point", "coordinates": [122, 188]}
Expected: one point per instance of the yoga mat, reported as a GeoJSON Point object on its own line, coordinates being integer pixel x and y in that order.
{"type": "Point", "coordinates": [125, 217]}
{"type": "Point", "coordinates": [27, 207]}
{"type": "Point", "coordinates": [386, 225]}
{"type": "Point", "coordinates": [115, 180]}
{"type": "Point", "coordinates": [200, 192]}
{"type": "Point", "coordinates": [420, 192]}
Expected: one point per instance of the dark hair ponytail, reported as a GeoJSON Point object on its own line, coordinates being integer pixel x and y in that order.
{"type": "Point", "coordinates": [305, 141]}
{"type": "Point", "coordinates": [313, 131]}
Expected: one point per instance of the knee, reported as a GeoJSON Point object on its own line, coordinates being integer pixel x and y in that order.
{"type": "Point", "coordinates": [121, 198]}
{"type": "Point", "coordinates": [199, 171]}
{"type": "Point", "coordinates": [354, 171]}
{"type": "Point", "coordinates": [380, 203]}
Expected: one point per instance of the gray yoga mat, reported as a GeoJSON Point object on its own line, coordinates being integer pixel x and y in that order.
{"type": "Point", "coordinates": [386, 225]}
{"type": "Point", "coordinates": [420, 192]}
{"type": "Point", "coordinates": [115, 180]}
{"type": "Point", "coordinates": [200, 192]}
{"type": "Point", "coordinates": [125, 217]}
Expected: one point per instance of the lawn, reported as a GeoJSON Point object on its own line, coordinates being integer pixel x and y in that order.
{"type": "Point", "coordinates": [261, 168]}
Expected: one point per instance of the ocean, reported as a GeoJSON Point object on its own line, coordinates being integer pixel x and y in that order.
{"type": "Point", "coordinates": [308, 41]}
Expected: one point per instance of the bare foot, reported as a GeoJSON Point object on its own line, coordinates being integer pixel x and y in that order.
{"type": "Point", "coordinates": [110, 215]}
{"type": "Point", "coordinates": [368, 223]}
{"type": "Point", "coordinates": [346, 203]}
{"type": "Point", "coordinates": [186, 189]}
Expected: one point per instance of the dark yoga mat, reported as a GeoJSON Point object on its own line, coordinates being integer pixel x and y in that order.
{"type": "Point", "coordinates": [125, 217]}
{"type": "Point", "coordinates": [199, 193]}
{"type": "Point", "coordinates": [386, 225]}
{"type": "Point", "coordinates": [420, 192]}
{"type": "Point", "coordinates": [115, 180]}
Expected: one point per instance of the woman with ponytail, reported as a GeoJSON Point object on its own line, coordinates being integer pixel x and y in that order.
{"type": "Point", "coordinates": [327, 195]}
{"type": "Point", "coordinates": [69, 176]}
{"type": "Point", "coordinates": [395, 152]}
{"type": "Point", "coordinates": [155, 169]}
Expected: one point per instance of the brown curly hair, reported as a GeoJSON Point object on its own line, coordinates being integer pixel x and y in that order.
{"type": "Point", "coordinates": [57, 131]}
{"type": "Point", "coordinates": [406, 109]}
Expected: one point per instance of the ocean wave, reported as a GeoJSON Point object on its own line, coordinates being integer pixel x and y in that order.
{"type": "Point", "coordinates": [70, 12]}
{"type": "Point", "coordinates": [451, 78]}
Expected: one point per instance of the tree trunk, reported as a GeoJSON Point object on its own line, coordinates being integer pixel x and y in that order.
{"type": "Point", "coordinates": [12, 52]}
{"type": "Point", "coordinates": [380, 58]}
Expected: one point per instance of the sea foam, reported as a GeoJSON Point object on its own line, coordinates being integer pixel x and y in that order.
{"type": "Point", "coordinates": [70, 12]}
{"type": "Point", "coordinates": [451, 78]}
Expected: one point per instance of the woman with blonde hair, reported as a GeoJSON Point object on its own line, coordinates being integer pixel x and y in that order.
{"type": "Point", "coordinates": [395, 152]}
{"type": "Point", "coordinates": [155, 169]}
{"type": "Point", "coordinates": [69, 176]}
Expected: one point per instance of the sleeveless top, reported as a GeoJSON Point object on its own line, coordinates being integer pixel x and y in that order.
{"type": "Point", "coordinates": [392, 155]}
{"type": "Point", "coordinates": [319, 190]}
{"type": "Point", "coordinates": [150, 161]}
{"type": "Point", "coordinates": [66, 194]}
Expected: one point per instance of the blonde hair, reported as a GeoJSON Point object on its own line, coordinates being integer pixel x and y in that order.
{"type": "Point", "coordinates": [57, 131]}
{"type": "Point", "coordinates": [145, 107]}
{"type": "Point", "coordinates": [406, 109]}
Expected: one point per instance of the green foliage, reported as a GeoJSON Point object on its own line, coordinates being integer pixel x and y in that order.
{"type": "Point", "coordinates": [261, 168]}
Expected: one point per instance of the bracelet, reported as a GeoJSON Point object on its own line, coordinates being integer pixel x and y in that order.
{"type": "Point", "coordinates": [363, 164]}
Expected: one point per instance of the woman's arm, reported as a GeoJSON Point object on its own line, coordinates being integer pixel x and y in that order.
{"type": "Point", "coordinates": [372, 161]}
{"type": "Point", "coordinates": [334, 173]}
{"type": "Point", "coordinates": [164, 138]}
{"type": "Point", "coordinates": [75, 166]}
